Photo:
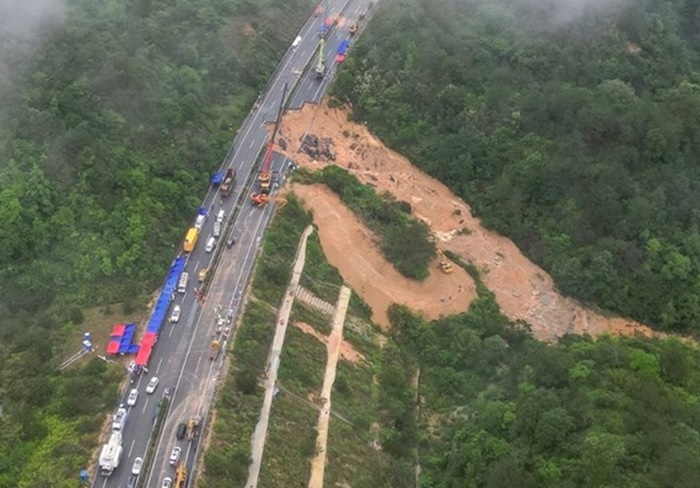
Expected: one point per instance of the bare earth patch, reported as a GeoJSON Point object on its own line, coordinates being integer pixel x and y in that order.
{"type": "Point", "coordinates": [523, 290]}
{"type": "Point", "coordinates": [347, 351]}
{"type": "Point", "coordinates": [350, 247]}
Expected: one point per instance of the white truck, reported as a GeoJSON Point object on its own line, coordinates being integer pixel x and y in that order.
{"type": "Point", "coordinates": [119, 420]}
{"type": "Point", "coordinates": [111, 454]}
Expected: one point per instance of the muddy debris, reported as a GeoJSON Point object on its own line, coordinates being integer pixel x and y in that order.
{"type": "Point", "coordinates": [523, 290]}
{"type": "Point", "coordinates": [319, 149]}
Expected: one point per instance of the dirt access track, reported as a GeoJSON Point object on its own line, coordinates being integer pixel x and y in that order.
{"type": "Point", "coordinates": [523, 290]}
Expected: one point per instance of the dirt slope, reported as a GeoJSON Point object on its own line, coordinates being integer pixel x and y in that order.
{"type": "Point", "coordinates": [523, 290]}
{"type": "Point", "coordinates": [348, 245]}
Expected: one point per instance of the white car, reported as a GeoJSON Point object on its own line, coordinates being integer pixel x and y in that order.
{"type": "Point", "coordinates": [167, 483]}
{"type": "Point", "coordinates": [199, 223]}
{"type": "Point", "coordinates": [175, 316]}
{"type": "Point", "coordinates": [175, 455]}
{"type": "Point", "coordinates": [138, 464]}
{"type": "Point", "coordinates": [152, 385]}
{"type": "Point", "coordinates": [133, 396]}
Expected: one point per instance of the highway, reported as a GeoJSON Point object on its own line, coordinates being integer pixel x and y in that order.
{"type": "Point", "coordinates": [181, 357]}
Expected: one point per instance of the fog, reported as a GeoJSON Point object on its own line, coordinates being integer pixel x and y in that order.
{"type": "Point", "coordinates": [22, 24]}
{"type": "Point", "coordinates": [556, 13]}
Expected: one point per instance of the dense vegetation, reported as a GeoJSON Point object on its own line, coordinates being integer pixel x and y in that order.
{"type": "Point", "coordinates": [404, 241]}
{"type": "Point", "coordinates": [572, 127]}
{"type": "Point", "coordinates": [501, 409]}
{"type": "Point", "coordinates": [110, 124]}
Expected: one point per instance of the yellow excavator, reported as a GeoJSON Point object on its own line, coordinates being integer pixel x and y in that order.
{"type": "Point", "coordinates": [180, 476]}
{"type": "Point", "coordinates": [260, 199]}
{"type": "Point", "coordinates": [445, 265]}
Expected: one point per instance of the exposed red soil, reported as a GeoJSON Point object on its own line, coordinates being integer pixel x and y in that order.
{"type": "Point", "coordinates": [523, 290]}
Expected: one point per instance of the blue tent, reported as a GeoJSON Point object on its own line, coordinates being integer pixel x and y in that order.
{"type": "Point", "coordinates": [217, 178]}
{"type": "Point", "coordinates": [343, 47]}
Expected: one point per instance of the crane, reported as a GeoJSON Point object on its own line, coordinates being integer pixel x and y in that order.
{"type": "Point", "coordinates": [320, 69]}
{"type": "Point", "coordinates": [264, 179]}
{"type": "Point", "coordinates": [260, 199]}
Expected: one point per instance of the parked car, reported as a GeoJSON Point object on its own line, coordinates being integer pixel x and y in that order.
{"type": "Point", "coordinates": [175, 316]}
{"type": "Point", "coordinates": [231, 241]}
{"type": "Point", "coordinates": [133, 396]}
{"type": "Point", "coordinates": [138, 464]}
{"type": "Point", "coordinates": [167, 483]}
{"type": "Point", "coordinates": [202, 274]}
{"type": "Point", "coordinates": [152, 385]}
{"type": "Point", "coordinates": [175, 455]}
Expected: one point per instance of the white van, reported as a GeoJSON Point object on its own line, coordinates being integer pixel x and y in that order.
{"type": "Point", "coordinates": [296, 42]}
{"type": "Point", "coordinates": [211, 244]}
{"type": "Point", "coordinates": [182, 284]}
{"type": "Point", "coordinates": [199, 223]}
{"type": "Point", "coordinates": [220, 216]}
{"type": "Point", "coordinates": [217, 229]}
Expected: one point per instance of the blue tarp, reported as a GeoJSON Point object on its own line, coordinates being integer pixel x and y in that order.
{"type": "Point", "coordinates": [217, 178]}
{"type": "Point", "coordinates": [126, 345]}
{"type": "Point", "coordinates": [202, 210]}
{"type": "Point", "coordinates": [343, 47]}
{"type": "Point", "coordinates": [163, 303]}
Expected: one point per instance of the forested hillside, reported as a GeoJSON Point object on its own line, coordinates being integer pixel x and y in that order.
{"type": "Point", "coordinates": [111, 123]}
{"type": "Point", "coordinates": [500, 409]}
{"type": "Point", "coordinates": [571, 127]}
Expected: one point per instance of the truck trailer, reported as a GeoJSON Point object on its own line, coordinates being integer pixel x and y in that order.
{"type": "Point", "coordinates": [228, 182]}
{"type": "Point", "coordinates": [111, 454]}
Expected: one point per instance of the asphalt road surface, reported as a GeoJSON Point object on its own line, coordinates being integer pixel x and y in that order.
{"type": "Point", "coordinates": [181, 358]}
{"type": "Point", "coordinates": [311, 89]}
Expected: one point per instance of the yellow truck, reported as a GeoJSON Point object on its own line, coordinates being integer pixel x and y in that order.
{"type": "Point", "coordinates": [191, 239]}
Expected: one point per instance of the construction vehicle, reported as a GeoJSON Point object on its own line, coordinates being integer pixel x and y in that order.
{"type": "Point", "coordinates": [227, 184]}
{"type": "Point", "coordinates": [191, 239]}
{"type": "Point", "coordinates": [265, 176]}
{"type": "Point", "coordinates": [260, 199]}
{"type": "Point", "coordinates": [353, 28]}
{"type": "Point", "coordinates": [215, 348]}
{"type": "Point", "coordinates": [180, 476]}
{"type": "Point", "coordinates": [320, 69]}
{"type": "Point", "coordinates": [193, 427]}
{"type": "Point", "coordinates": [445, 265]}
{"type": "Point", "coordinates": [111, 454]}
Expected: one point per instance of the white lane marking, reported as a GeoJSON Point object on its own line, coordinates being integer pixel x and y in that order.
{"type": "Point", "coordinates": [197, 367]}
{"type": "Point", "coordinates": [170, 334]}
{"type": "Point", "coordinates": [131, 449]}
{"type": "Point", "coordinates": [143, 411]}
{"type": "Point", "coordinates": [252, 142]}
{"type": "Point", "coordinates": [160, 362]}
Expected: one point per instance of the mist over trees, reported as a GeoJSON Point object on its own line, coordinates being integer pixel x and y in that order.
{"type": "Point", "coordinates": [574, 132]}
